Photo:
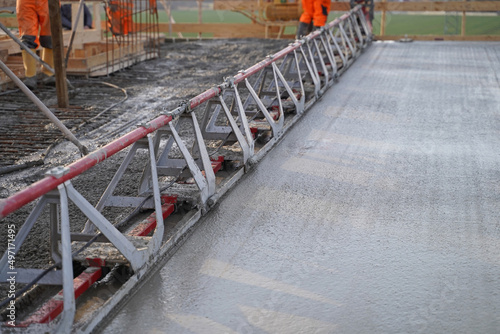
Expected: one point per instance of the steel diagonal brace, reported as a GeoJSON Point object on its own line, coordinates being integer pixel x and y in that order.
{"type": "Point", "coordinates": [281, 118]}
{"type": "Point", "coordinates": [155, 242]}
{"type": "Point", "coordinates": [339, 49]}
{"type": "Point", "coordinates": [302, 90]}
{"type": "Point", "coordinates": [322, 62]}
{"type": "Point", "coordinates": [347, 45]}
{"type": "Point", "coordinates": [244, 123]}
{"type": "Point", "coordinates": [343, 45]}
{"type": "Point", "coordinates": [200, 180]}
{"type": "Point", "coordinates": [236, 130]}
{"type": "Point", "coordinates": [205, 158]}
{"type": "Point", "coordinates": [312, 71]}
{"type": "Point", "coordinates": [275, 127]}
{"type": "Point", "coordinates": [357, 30]}
{"type": "Point", "coordinates": [68, 314]}
{"type": "Point", "coordinates": [135, 257]}
{"type": "Point", "coordinates": [346, 39]}
{"type": "Point", "coordinates": [354, 31]}
{"type": "Point", "coordinates": [364, 24]}
{"type": "Point", "coordinates": [329, 54]}
{"type": "Point", "coordinates": [299, 106]}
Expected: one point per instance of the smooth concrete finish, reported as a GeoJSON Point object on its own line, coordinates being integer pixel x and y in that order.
{"type": "Point", "coordinates": [378, 213]}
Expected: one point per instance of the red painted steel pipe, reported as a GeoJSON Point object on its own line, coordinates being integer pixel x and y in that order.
{"type": "Point", "coordinates": [37, 189]}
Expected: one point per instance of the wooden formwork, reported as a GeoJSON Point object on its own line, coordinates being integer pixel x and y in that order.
{"type": "Point", "coordinates": [101, 58]}
{"type": "Point", "coordinates": [93, 53]}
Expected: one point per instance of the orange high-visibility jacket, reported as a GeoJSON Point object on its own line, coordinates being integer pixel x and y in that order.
{"type": "Point", "coordinates": [315, 11]}
{"type": "Point", "coordinates": [33, 20]}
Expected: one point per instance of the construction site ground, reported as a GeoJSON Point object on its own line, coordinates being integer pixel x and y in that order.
{"type": "Point", "coordinates": [377, 213]}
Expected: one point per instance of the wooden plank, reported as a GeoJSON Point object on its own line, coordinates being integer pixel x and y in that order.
{"type": "Point", "coordinates": [4, 54]}
{"type": "Point", "coordinates": [7, 3]}
{"type": "Point", "coordinates": [9, 22]}
{"type": "Point", "coordinates": [58, 48]}
{"type": "Point", "coordinates": [9, 45]}
{"type": "Point", "coordinates": [85, 36]}
{"type": "Point", "coordinates": [464, 18]}
{"type": "Point", "coordinates": [236, 5]}
{"type": "Point", "coordinates": [340, 6]}
{"type": "Point", "coordinates": [382, 21]}
{"type": "Point", "coordinates": [77, 42]}
{"type": "Point", "coordinates": [220, 29]}
{"type": "Point", "coordinates": [88, 63]}
{"type": "Point", "coordinates": [479, 38]}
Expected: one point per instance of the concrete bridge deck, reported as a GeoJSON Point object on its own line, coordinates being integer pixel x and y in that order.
{"type": "Point", "coordinates": [379, 212]}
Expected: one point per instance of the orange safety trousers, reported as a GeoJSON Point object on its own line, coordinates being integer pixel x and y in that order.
{"type": "Point", "coordinates": [33, 20]}
{"type": "Point", "coordinates": [315, 11]}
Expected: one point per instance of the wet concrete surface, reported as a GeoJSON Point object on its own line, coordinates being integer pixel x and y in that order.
{"type": "Point", "coordinates": [378, 213]}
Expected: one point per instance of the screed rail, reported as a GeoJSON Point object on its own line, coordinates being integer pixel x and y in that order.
{"type": "Point", "coordinates": [244, 117]}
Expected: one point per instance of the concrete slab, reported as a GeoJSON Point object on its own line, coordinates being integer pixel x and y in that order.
{"type": "Point", "coordinates": [378, 213]}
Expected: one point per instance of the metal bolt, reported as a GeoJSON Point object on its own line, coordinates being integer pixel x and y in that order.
{"type": "Point", "coordinates": [57, 172]}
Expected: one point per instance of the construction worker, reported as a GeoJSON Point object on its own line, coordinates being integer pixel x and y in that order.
{"type": "Point", "coordinates": [34, 28]}
{"type": "Point", "coordinates": [314, 16]}
{"type": "Point", "coordinates": [66, 17]}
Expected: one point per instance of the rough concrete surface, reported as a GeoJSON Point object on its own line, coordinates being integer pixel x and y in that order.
{"type": "Point", "coordinates": [183, 71]}
{"type": "Point", "coordinates": [378, 213]}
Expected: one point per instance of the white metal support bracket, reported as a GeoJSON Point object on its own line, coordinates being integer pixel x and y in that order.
{"type": "Point", "coordinates": [68, 313]}
{"type": "Point", "coordinates": [205, 158]}
{"type": "Point", "coordinates": [275, 127]}
{"type": "Point", "coordinates": [155, 242]}
{"type": "Point", "coordinates": [200, 180]}
{"type": "Point", "coordinates": [124, 246]}
{"type": "Point", "coordinates": [244, 123]}
{"type": "Point", "coordinates": [299, 106]}
{"type": "Point", "coordinates": [236, 130]}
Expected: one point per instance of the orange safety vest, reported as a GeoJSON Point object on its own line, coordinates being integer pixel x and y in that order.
{"type": "Point", "coordinates": [119, 14]}
{"type": "Point", "coordinates": [315, 11]}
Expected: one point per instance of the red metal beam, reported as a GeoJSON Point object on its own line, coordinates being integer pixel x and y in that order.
{"type": "Point", "coordinates": [51, 309]}
{"type": "Point", "coordinates": [149, 224]}
{"type": "Point", "coordinates": [217, 163]}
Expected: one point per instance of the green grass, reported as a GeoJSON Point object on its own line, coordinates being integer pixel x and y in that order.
{"type": "Point", "coordinates": [396, 24]}
{"type": "Point", "coordinates": [400, 24]}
